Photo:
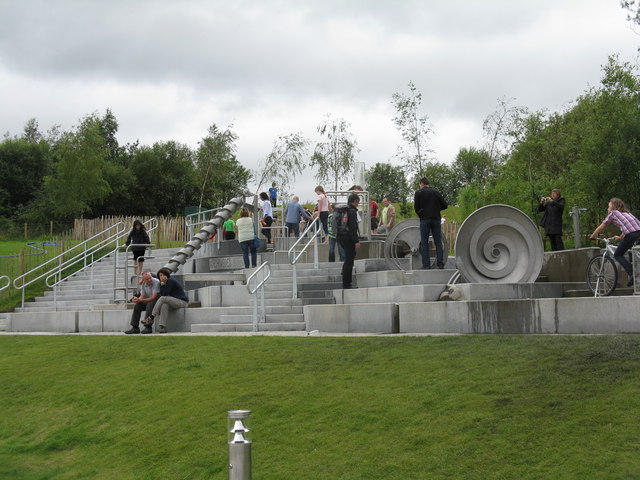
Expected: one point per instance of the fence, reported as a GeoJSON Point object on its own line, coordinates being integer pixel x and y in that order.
{"type": "Point", "coordinates": [170, 229]}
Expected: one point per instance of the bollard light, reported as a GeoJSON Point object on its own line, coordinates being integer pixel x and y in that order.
{"type": "Point", "coordinates": [239, 442]}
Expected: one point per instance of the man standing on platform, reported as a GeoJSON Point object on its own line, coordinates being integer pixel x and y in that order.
{"type": "Point", "coordinates": [346, 227]}
{"type": "Point", "coordinates": [428, 202]}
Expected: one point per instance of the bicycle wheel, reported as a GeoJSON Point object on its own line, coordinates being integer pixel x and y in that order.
{"type": "Point", "coordinates": [602, 276]}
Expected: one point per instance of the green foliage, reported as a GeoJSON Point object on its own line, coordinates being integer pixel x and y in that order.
{"type": "Point", "coordinates": [414, 129]}
{"type": "Point", "coordinates": [472, 407]}
{"type": "Point", "coordinates": [284, 163]}
{"type": "Point", "coordinates": [165, 177]}
{"type": "Point", "coordinates": [334, 157]}
{"type": "Point", "coordinates": [220, 175]}
{"type": "Point", "coordinates": [386, 180]}
{"type": "Point", "coordinates": [441, 177]}
{"type": "Point", "coordinates": [78, 181]}
{"type": "Point", "coordinates": [23, 164]}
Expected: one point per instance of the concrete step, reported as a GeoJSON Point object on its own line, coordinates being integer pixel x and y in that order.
{"type": "Point", "coordinates": [578, 293]}
{"type": "Point", "coordinates": [308, 287]}
{"type": "Point", "coordinates": [247, 327]}
{"type": "Point", "coordinates": [3, 322]}
{"type": "Point", "coordinates": [32, 309]}
{"type": "Point", "coordinates": [318, 301]}
{"type": "Point", "coordinates": [306, 294]}
{"type": "Point", "coordinates": [269, 318]}
{"type": "Point", "coordinates": [75, 296]}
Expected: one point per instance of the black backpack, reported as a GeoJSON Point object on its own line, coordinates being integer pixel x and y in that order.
{"type": "Point", "coordinates": [341, 221]}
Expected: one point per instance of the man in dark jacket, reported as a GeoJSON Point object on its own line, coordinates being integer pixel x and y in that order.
{"type": "Point", "coordinates": [428, 202]}
{"type": "Point", "coordinates": [172, 297]}
{"type": "Point", "coordinates": [552, 219]}
{"type": "Point", "coordinates": [348, 236]}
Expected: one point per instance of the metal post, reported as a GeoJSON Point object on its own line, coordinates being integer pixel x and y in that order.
{"type": "Point", "coordinates": [575, 213]}
{"type": "Point", "coordinates": [239, 445]}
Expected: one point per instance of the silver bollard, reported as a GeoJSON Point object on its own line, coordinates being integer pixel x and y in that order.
{"type": "Point", "coordinates": [239, 445]}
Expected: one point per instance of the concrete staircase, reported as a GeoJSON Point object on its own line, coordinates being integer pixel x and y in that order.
{"type": "Point", "coordinates": [282, 311]}
{"type": "Point", "coordinates": [94, 286]}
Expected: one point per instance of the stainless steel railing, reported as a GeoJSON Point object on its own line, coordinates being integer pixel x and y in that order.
{"type": "Point", "coordinates": [258, 291]}
{"type": "Point", "coordinates": [79, 254]}
{"type": "Point", "coordinates": [316, 231]}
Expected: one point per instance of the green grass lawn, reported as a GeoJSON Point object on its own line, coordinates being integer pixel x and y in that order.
{"type": "Point", "coordinates": [468, 407]}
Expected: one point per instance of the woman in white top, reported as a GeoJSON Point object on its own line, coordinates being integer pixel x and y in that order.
{"type": "Point", "coordinates": [267, 216]}
{"type": "Point", "coordinates": [246, 234]}
{"type": "Point", "coordinates": [323, 208]}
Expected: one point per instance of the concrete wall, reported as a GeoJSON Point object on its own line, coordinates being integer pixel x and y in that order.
{"type": "Point", "coordinates": [567, 265]}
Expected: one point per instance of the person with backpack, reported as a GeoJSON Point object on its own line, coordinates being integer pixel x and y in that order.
{"type": "Point", "coordinates": [333, 241]}
{"type": "Point", "coordinates": [346, 227]}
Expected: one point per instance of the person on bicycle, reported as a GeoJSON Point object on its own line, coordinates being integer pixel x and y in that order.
{"type": "Point", "coordinates": [629, 225]}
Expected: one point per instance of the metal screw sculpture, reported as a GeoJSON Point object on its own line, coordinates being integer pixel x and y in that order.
{"type": "Point", "coordinates": [209, 228]}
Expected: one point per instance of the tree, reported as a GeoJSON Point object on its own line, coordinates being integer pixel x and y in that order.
{"type": "Point", "coordinates": [220, 175]}
{"type": "Point", "coordinates": [501, 129]}
{"type": "Point", "coordinates": [415, 130]}
{"type": "Point", "coordinates": [473, 165]}
{"type": "Point", "coordinates": [285, 161]}
{"type": "Point", "coordinates": [386, 180]}
{"type": "Point", "coordinates": [633, 10]}
{"type": "Point", "coordinates": [442, 177]}
{"type": "Point", "coordinates": [165, 177]}
{"type": "Point", "coordinates": [78, 181]}
{"type": "Point", "coordinates": [23, 164]}
{"type": "Point", "coordinates": [334, 158]}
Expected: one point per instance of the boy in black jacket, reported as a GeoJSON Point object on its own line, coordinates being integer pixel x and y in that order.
{"type": "Point", "coordinates": [348, 237]}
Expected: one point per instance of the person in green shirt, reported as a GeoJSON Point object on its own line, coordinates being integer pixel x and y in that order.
{"type": "Point", "coordinates": [229, 228]}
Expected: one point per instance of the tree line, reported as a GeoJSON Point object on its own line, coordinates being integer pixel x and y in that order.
{"type": "Point", "coordinates": [590, 151]}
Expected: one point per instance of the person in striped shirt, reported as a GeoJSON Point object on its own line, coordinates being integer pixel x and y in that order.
{"type": "Point", "coordinates": [629, 225]}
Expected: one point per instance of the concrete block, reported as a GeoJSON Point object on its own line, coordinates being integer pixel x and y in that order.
{"type": "Point", "coordinates": [430, 317]}
{"type": "Point", "coordinates": [234, 296]}
{"type": "Point", "coordinates": [210, 296]}
{"type": "Point", "coordinates": [61, 322]}
{"type": "Point", "coordinates": [599, 315]}
{"type": "Point", "coordinates": [567, 265]}
{"type": "Point", "coordinates": [512, 316]}
{"type": "Point", "coordinates": [116, 321]}
{"type": "Point", "coordinates": [90, 322]}
{"type": "Point", "coordinates": [370, 318]}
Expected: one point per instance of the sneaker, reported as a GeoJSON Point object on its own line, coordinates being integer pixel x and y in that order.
{"type": "Point", "coordinates": [163, 329]}
{"type": "Point", "coordinates": [132, 331]}
{"type": "Point", "coordinates": [147, 321]}
{"type": "Point", "coordinates": [630, 282]}
{"type": "Point", "coordinates": [441, 266]}
{"type": "Point", "coordinates": [147, 330]}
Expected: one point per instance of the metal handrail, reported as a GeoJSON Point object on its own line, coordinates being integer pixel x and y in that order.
{"type": "Point", "coordinates": [259, 287]}
{"type": "Point", "coordinates": [293, 258]}
{"type": "Point", "coordinates": [20, 282]}
{"type": "Point", "coordinates": [126, 266]}
{"type": "Point", "coordinates": [190, 223]}
{"type": "Point", "coordinates": [4, 277]}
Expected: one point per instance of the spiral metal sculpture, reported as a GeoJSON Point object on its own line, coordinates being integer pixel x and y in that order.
{"type": "Point", "coordinates": [209, 228]}
{"type": "Point", "coordinates": [403, 242]}
{"type": "Point", "coordinates": [499, 244]}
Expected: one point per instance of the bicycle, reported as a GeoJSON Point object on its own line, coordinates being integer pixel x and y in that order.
{"type": "Point", "coordinates": [602, 271]}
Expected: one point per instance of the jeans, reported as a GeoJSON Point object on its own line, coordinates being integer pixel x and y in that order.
{"type": "Point", "coordinates": [332, 250]}
{"type": "Point", "coordinates": [324, 219]}
{"type": "Point", "coordinates": [295, 228]}
{"type": "Point", "coordinates": [246, 246]}
{"type": "Point", "coordinates": [350, 255]}
{"type": "Point", "coordinates": [626, 243]}
{"type": "Point", "coordinates": [433, 225]}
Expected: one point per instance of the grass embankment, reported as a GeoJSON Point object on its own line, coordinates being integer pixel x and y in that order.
{"type": "Point", "coordinates": [472, 407]}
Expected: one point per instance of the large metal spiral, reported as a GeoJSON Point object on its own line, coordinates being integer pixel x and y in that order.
{"type": "Point", "coordinates": [403, 244]}
{"type": "Point", "coordinates": [499, 244]}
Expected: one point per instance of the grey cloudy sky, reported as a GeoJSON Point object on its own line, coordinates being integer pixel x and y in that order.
{"type": "Point", "coordinates": [169, 69]}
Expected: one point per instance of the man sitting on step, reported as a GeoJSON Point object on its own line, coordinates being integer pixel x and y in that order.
{"type": "Point", "coordinates": [145, 300]}
{"type": "Point", "coordinates": [172, 297]}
